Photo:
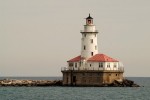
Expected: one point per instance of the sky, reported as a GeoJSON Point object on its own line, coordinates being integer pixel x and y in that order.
{"type": "Point", "coordinates": [37, 37]}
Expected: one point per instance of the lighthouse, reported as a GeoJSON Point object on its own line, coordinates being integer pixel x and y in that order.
{"type": "Point", "coordinates": [90, 67]}
{"type": "Point", "coordinates": [89, 45]}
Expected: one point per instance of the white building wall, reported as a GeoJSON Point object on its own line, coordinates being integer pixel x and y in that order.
{"type": "Point", "coordinates": [95, 66]}
{"type": "Point", "coordinates": [112, 66]}
{"type": "Point", "coordinates": [89, 28]}
{"type": "Point", "coordinates": [89, 45]}
{"type": "Point", "coordinates": [75, 66]}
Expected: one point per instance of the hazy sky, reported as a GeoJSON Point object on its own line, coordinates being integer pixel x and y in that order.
{"type": "Point", "coordinates": [37, 37]}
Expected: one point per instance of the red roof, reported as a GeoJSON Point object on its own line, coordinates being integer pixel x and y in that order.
{"type": "Point", "coordinates": [95, 58]}
{"type": "Point", "coordinates": [102, 58]}
{"type": "Point", "coordinates": [76, 59]}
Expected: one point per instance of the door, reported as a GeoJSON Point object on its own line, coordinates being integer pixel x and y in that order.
{"type": "Point", "coordinates": [74, 79]}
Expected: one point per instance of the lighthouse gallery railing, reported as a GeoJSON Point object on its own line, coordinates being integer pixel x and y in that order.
{"type": "Point", "coordinates": [94, 69]}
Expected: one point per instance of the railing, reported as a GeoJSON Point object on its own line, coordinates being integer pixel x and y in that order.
{"type": "Point", "coordinates": [82, 31]}
{"type": "Point", "coordinates": [90, 69]}
{"type": "Point", "coordinates": [64, 69]}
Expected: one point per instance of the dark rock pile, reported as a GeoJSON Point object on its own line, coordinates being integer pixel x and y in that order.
{"type": "Point", "coordinates": [13, 82]}
{"type": "Point", "coordinates": [124, 83]}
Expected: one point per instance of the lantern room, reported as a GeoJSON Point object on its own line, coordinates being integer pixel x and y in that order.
{"type": "Point", "coordinates": [89, 20]}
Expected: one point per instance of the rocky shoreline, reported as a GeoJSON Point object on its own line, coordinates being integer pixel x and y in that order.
{"type": "Point", "coordinates": [36, 83]}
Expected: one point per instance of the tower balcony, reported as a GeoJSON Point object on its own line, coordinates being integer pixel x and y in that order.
{"type": "Point", "coordinates": [83, 31]}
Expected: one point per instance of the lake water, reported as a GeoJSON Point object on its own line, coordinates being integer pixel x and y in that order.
{"type": "Point", "coordinates": [77, 93]}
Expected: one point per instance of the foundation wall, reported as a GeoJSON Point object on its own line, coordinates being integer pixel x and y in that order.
{"type": "Point", "coordinates": [90, 77]}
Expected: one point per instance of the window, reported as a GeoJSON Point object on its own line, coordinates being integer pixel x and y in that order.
{"type": "Point", "coordinates": [90, 65]}
{"type": "Point", "coordinates": [84, 35]}
{"type": "Point", "coordinates": [75, 65]}
{"type": "Point", "coordinates": [95, 47]}
{"type": "Point", "coordinates": [92, 53]}
{"type": "Point", "coordinates": [67, 79]}
{"type": "Point", "coordinates": [116, 75]}
{"type": "Point", "coordinates": [115, 65]}
{"type": "Point", "coordinates": [91, 40]}
{"type": "Point", "coordinates": [95, 35]}
{"type": "Point", "coordinates": [108, 65]}
{"type": "Point", "coordinates": [70, 64]}
{"type": "Point", "coordinates": [84, 47]}
{"type": "Point", "coordinates": [74, 78]}
{"type": "Point", "coordinates": [101, 65]}
{"type": "Point", "coordinates": [89, 21]}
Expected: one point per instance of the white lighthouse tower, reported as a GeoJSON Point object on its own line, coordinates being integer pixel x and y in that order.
{"type": "Point", "coordinates": [89, 45]}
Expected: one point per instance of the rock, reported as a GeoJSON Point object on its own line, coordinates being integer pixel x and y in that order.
{"type": "Point", "coordinates": [123, 83]}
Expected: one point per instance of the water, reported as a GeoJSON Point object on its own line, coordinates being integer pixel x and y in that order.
{"type": "Point", "coordinates": [78, 93]}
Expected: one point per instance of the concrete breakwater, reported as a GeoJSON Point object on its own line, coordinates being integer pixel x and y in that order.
{"type": "Point", "coordinates": [30, 83]}
{"type": "Point", "coordinates": [14, 82]}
